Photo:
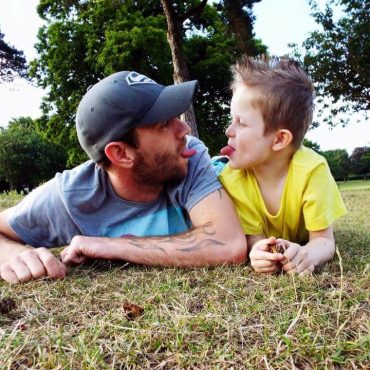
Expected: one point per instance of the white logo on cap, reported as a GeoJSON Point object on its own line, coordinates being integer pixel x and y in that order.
{"type": "Point", "coordinates": [134, 78]}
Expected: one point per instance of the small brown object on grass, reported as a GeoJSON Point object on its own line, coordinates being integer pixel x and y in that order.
{"type": "Point", "coordinates": [276, 248]}
{"type": "Point", "coordinates": [7, 305]}
{"type": "Point", "coordinates": [132, 310]}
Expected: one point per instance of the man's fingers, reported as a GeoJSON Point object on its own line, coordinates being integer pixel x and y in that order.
{"type": "Point", "coordinates": [54, 268]}
{"type": "Point", "coordinates": [34, 264]}
{"type": "Point", "coordinates": [263, 263]}
{"type": "Point", "coordinates": [20, 269]}
{"type": "Point", "coordinates": [9, 275]}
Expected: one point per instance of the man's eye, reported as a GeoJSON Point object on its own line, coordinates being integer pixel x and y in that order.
{"type": "Point", "coordinates": [165, 124]}
{"type": "Point", "coordinates": [242, 124]}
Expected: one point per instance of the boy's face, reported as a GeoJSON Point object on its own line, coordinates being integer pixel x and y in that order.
{"type": "Point", "coordinates": [250, 147]}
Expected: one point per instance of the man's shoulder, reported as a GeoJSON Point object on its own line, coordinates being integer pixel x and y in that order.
{"type": "Point", "coordinates": [86, 176]}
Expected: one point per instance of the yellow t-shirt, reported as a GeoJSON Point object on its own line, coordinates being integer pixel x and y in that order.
{"type": "Point", "coordinates": [310, 199]}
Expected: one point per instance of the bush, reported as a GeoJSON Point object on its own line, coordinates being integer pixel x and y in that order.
{"type": "Point", "coordinates": [26, 159]}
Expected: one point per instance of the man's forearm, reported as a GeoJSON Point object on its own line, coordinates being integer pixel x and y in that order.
{"type": "Point", "coordinates": [202, 246]}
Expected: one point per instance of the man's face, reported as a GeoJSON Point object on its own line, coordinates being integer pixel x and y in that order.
{"type": "Point", "coordinates": [160, 157]}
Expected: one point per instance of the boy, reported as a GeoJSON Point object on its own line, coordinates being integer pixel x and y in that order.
{"type": "Point", "coordinates": [284, 193]}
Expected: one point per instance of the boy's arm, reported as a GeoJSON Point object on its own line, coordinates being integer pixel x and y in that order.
{"type": "Point", "coordinates": [319, 250]}
{"type": "Point", "coordinates": [20, 263]}
{"type": "Point", "coordinates": [217, 238]}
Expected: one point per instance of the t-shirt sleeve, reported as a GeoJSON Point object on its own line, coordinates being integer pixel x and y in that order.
{"type": "Point", "coordinates": [322, 202]}
{"type": "Point", "coordinates": [245, 199]}
{"type": "Point", "coordinates": [41, 219]}
{"type": "Point", "coordinates": [201, 179]}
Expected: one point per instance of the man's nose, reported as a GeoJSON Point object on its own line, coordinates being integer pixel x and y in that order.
{"type": "Point", "coordinates": [182, 129]}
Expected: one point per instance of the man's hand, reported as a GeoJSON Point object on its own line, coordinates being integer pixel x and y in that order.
{"type": "Point", "coordinates": [297, 259]}
{"type": "Point", "coordinates": [264, 261]}
{"type": "Point", "coordinates": [84, 247]}
{"type": "Point", "coordinates": [32, 264]}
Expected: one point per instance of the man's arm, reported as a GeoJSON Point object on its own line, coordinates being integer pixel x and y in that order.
{"type": "Point", "coordinates": [217, 238]}
{"type": "Point", "coordinates": [20, 263]}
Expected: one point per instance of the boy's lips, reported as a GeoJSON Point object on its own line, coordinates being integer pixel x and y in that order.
{"type": "Point", "coordinates": [227, 150]}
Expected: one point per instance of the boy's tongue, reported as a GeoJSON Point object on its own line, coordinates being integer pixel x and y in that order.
{"type": "Point", "coordinates": [227, 150]}
{"type": "Point", "coordinates": [187, 153]}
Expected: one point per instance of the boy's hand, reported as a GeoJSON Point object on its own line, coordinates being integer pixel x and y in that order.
{"type": "Point", "coordinates": [264, 261]}
{"type": "Point", "coordinates": [297, 259]}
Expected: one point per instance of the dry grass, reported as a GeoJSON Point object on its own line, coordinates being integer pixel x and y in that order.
{"type": "Point", "coordinates": [200, 318]}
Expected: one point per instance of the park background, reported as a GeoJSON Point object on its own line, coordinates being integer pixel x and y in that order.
{"type": "Point", "coordinates": [273, 28]}
{"type": "Point", "coordinates": [115, 315]}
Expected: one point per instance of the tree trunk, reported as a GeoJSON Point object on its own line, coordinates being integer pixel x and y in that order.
{"type": "Point", "coordinates": [180, 69]}
{"type": "Point", "coordinates": [241, 25]}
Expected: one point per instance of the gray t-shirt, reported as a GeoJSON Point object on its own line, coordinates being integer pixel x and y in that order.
{"type": "Point", "coordinates": [82, 201]}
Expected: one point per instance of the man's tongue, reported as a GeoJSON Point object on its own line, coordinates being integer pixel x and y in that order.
{"type": "Point", "coordinates": [227, 150]}
{"type": "Point", "coordinates": [187, 153]}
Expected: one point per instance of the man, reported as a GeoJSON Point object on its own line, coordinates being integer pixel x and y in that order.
{"type": "Point", "coordinates": [148, 195]}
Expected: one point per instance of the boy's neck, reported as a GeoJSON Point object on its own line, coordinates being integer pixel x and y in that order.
{"type": "Point", "coordinates": [275, 169]}
{"type": "Point", "coordinates": [271, 178]}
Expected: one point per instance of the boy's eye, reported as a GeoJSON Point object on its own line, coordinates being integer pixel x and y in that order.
{"type": "Point", "coordinates": [242, 124]}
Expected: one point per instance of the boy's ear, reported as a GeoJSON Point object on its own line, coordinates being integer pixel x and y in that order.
{"type": "Point", "coordinates": [120, 154]}
{"type": "Point", "coordinates": [282, 139]}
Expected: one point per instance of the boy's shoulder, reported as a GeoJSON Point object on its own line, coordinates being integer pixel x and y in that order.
{"type": "Point", "coordinates": [307, 158]}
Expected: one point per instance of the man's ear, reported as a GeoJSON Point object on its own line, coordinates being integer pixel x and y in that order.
{"type": "Point", "coordinates": [120, 153]}
{"type": "Point", "coordinates": [282, 139]}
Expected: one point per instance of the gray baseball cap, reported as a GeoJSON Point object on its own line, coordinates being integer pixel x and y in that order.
{"type": "Point", "coordinates": [122, 101]}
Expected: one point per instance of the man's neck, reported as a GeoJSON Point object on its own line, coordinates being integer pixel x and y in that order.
{"type": "Point", "coordinates": [126, 188]}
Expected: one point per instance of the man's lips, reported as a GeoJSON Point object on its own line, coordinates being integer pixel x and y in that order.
{"type": "Point", "coordinates": [187, 153]}
{"type": "Point", "coordinates": [227, 150]}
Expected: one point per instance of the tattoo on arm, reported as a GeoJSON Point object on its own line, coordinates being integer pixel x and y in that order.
{"type": "Point", "coordinates": [191, 241]}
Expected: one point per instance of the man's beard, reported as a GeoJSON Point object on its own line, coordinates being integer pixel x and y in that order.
{"type": "Point", "coordinates": [157, 169]}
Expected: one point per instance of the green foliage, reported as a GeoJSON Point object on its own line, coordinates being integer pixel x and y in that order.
{"type": "Point", "coordinates": [338, 162]}
{"type": "Point", "coordinates": [310, 144]}
{"type": "Point", "coordinates": [83, 42]}
{"type": "Point", "coordinates": [12, 62]}
{"type": "Point", "coordinates": [337, 58]}
{"type": "Point", "coordinates": [26, 159]}
{"type": "Point", "coordinates": [360, 160]}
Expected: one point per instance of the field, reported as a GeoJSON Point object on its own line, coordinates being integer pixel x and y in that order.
{"type": "Point", "coordinates": [354, 185]}
{"type": "Point", "coordinates": [223, 318]}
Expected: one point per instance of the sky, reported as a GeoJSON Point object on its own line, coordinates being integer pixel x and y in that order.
{"type": "Point", "coordinates": [277, 24]}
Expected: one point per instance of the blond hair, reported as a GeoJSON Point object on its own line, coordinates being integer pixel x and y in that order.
{"type": "Point", "coordinates": [284, 93]}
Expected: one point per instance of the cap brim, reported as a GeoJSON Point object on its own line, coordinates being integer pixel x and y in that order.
{"type": "Point", "coordinates": [171, 102]}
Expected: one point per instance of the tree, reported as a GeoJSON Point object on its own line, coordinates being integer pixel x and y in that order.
{"type": "Point", "coordinates": [175, 36]}
{"type": "Point", "coordinates": [12, 62]}
{"type": "Point", "coordinates": [338, 162]}
{"type": "Point", "coordinates": [238, 17]}
{"type": "Point", "coordinates": [360, 160]}
{"type": "Point", "coordinates": [314, 146]}
{"type": "Point", "coordinates": [337, 58]}
{"type": "Point", "coordinates": [82, 42]}
{"type": "Point", "coordinates": [26, 159]}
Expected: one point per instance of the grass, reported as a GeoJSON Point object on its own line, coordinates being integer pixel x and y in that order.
{"type": "Point", "coordinates": [220, 318]}
{"type": "Point", "coordinates": [354, 185]}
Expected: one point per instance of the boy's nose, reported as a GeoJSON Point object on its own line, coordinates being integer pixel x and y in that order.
{"type": "Point", "coordinates": [229, 131]}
